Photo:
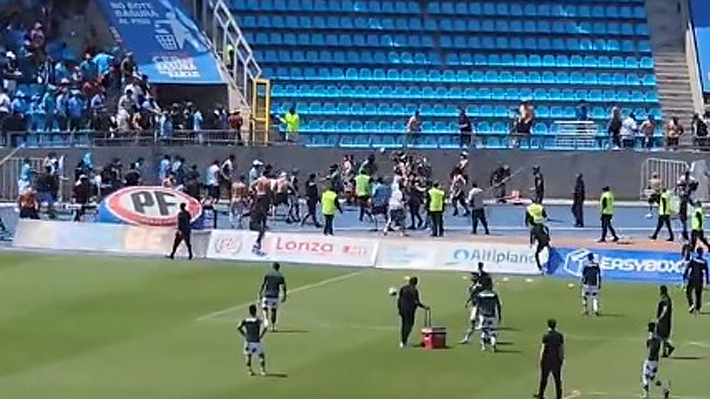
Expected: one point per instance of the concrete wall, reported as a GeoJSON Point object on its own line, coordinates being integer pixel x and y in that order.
{"type": "Point", "coordinates": [620, 170]}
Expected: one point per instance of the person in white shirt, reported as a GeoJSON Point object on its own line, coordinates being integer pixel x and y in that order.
{"type": "Point", "coordinates": [478, 211]}
{"type": "Point", "coordinates": [212, 180]}
{"type": "Point", "coordinates": [629, 128]}
{"type": "Point", "coordinates": [396, 210]}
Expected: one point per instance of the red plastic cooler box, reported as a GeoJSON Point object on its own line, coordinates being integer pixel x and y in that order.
{"type": "Point", "coordinates": [433, 337]}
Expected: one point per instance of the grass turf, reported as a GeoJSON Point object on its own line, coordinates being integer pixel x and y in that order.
{"type": "Point", "coordinates": [102, 327]}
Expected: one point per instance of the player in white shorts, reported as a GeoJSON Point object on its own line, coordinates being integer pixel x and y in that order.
{"type": "Point", "coordinates": [591, 284]}
{"type": "Point", "coordinates": [252, 329]}
{"type": "Point", "coordinates": [270, 294]}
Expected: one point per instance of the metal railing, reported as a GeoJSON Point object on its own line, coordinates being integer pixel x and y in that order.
{"type": "Point", "coordinates": [494, 140]}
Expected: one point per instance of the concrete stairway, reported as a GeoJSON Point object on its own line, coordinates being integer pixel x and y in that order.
{"type": "Point", "coordinates": [667, 21]}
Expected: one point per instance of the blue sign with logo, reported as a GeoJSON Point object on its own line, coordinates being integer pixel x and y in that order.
{"type": "Point", "coordinates": [700, 10]}
{"type": "Point", "coordinates": [166, 43]}
{"type": "Point", "coordinates": [642, 266]}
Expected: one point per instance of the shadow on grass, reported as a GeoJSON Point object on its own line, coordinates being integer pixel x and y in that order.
{"type": "Point", "coordinates": [687, 357]}
{"type": "Point", "coordinates": [276, 375]}
{"type": "Point", "coordinates": [291, 331]}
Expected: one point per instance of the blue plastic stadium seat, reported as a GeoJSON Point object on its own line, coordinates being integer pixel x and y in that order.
{"type": "Point", "coordinates": [649, 80]}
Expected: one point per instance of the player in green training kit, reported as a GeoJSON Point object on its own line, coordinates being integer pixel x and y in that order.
{"type": "Point", "coordinates": [473, 290]}
{"type": "Point", "coordinates": [650, 365]}
{"type": "Point", "coordinates": [591, 285]}
{"type": "Point", "coordinates": [489, 315]}
{"type": "Point", "coordinates": [274, 283]}
{"type": "Point", "coordinates": [252, 329]}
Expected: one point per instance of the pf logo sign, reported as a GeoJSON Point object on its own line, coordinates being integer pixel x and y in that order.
{"type": "Point", "coordinates": [150, 206]}
{"type": "Point", "coordinates": [574, 261]}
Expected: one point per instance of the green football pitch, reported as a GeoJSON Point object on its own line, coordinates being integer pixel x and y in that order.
{"type": "Point", "coordinates": [105, 327]}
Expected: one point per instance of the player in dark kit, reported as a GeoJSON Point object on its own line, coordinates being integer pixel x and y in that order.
{"type": "Point", "coordinates": [252, 329]}
{"type": "Point", "coordinates": [650, 365]}
{"type": "Point", "coordinates": [591, 285]}
{"type": "Point", "coordinates": [407, 304]}
{"type": "Point", "coordinates": [183, 232]}
{"type": "Point", "coordinates": [552, 356]}
{"type": "Point", "coordinates": [272, 286]}
{"type": "Point", "coordinates": [695, 276]}
{"type": "Point", "coordinates": [664, 320]}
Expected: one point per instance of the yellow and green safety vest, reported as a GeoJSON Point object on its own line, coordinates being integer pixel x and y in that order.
{"type": "Point", "coordinates": [537, 213]}
{"type": "Point", "coordinates": [436, 199]}
{"type": "Point", "coordinates": [609, 208]}
{"type": "Point", "coordinates": [362, 185]}
{"type": "Point", "coordinates": [664, 204]}
{"type": "Point", "coordinates": [327, 200]}
{"type": "Point", "coordinates": [293, 122]}
{"type": "Point", "coordinates": [698, 222]}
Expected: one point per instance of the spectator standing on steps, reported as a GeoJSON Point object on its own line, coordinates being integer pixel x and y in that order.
{"type": "Point", "coordinates": [674, 131]}
{"type": "Point", "coordinates": [628, 131]}
{"type": "Point", "coordinates": [466, 128]}
{"type": "Point", "coordinates": [648, 127]}
{"type": "Point", "coordinates": [578, 201]}
{"type": "Point", "coordinates": [414, 128]}
{"type": "Point", "coordinates": [614, 128]}
{"type": "Point", "coordinates": [293, 124]}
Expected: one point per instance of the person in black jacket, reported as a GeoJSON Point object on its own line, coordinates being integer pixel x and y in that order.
{"type": "Point", "coordinates": [407, 304]}
{"type": "Point", "coordinates": [183, 232]}
{"type": "Point", "coordinates": [552, 357]}
{"type": "Point", "coordinates": [578, 201]}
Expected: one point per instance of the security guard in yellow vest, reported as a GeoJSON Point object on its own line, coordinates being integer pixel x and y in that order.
{"type": "Point", "coordinates": [329, 203]}
{"type": "Point", "coordinates": [435, 206]}
{"type": "Point", "coordinates": [363, 190]}
{"type": "Point", "coordinates": [697, 225]}
{"type": "Point", "coordinates": [606, 207]}
{"type": "Point", "coordinates": [293, 124]}
{"type": "Point", "coordinates": [535, 214]}
{"type": "Point", "coordinates": [664, 215]}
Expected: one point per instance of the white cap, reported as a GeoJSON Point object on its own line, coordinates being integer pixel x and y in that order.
{"type": "Point", "coordinates": [257, 163]}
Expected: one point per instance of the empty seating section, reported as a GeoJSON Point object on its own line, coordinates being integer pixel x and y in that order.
{"type": "Point", "coordinates": [363, 67]}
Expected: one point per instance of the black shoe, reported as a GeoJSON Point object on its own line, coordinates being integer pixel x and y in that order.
{"type": "Point", "coordinates": [616, 239]}
{"type": "Point", "coordinates": [651, 237]}
{"type": "Point", "coordinates": [670, 239]}
{"type": "Point", "coordinates": [671, 349]}
{"type": "Point", "coordinates": [601, 240]}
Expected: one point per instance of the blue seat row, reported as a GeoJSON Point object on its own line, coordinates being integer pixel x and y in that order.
{"type": "Point", "coordinates": [481, 76]}
{"type": "Point", "coordinates": [445, 110]}
{"type": "Point", "coordinates": [419, 24]}
{"type": "Point", "coordinates": [456, 8]}
{"type": "Point", "coordinates": [452, 59]}
{"type": "Point", "coordinates": [504, 43]}
{"type": "Point", "coordinates": [503, 8]}
{"type": "Point", "coordinates": [373, 93]}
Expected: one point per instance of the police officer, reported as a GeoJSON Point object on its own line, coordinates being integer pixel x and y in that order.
{"type": "Point", "coordinates": [552, 357]}
{"type": "Point", "coordinates": [697, 226]}
{"type": "Point", "coordinates": [183, 232]}
{"type": "Point", "coordinates": [606, 205]}
{"type": "Point", "coordinates": [695, 276]}
{"type": "Point", "coordinates": [435, 206]}
{"type": "Point", "coordinates": [664, 215]}
{"type": "Point", "coordinates": [407, 304]}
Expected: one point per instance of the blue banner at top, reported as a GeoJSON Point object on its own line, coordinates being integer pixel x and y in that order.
{"type": "Point", "coordinates": [638, 266]}
{"type": "Point", "coordinates": [700, 10]}
{"type": "Point", "coordinates": [166, 43]}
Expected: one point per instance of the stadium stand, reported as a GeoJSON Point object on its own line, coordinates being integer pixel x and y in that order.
{"type": "Point", "coordinates": [361, 68]}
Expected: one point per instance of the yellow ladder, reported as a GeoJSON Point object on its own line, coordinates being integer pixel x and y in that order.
{"type": "Point", "coordinates": [261, 112]}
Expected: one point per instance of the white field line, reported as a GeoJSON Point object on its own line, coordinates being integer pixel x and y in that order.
{"type": "Point", "coordinates": [634, 395]}
{"type": "Point", "coordinates": [321, 283]}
